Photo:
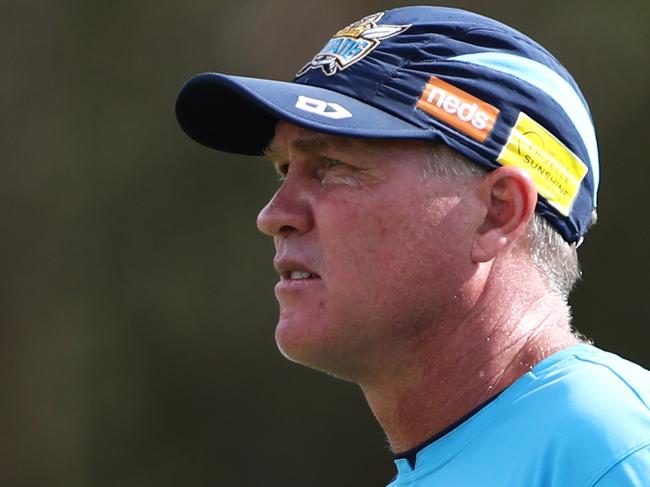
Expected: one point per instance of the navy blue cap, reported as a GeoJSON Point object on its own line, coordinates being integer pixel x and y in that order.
{"type": "Point", "coordinates": [428, 73]}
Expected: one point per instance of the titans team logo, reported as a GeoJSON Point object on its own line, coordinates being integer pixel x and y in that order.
{"type": "Point", "coordinates": [351, 44]}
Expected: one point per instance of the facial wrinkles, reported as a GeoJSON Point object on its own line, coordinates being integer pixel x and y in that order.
{"type": "Point", "coordinates": [380, 241]}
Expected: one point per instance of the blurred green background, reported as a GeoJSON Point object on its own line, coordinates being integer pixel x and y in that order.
{"type": "Point", "coordinates": [137, 309]}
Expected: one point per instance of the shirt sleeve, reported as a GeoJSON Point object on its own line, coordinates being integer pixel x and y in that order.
{"type": "Point", "coordinates": [631, 471]}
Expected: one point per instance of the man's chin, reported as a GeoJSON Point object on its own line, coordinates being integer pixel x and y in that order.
{"type": "Point", "coordinates": [306, 346]}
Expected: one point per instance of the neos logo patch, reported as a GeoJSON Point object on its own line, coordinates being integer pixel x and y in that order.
{"type": "Point", "coordinates": [322, 107]}
{"type": "Point", "coordinates": [466, 113]}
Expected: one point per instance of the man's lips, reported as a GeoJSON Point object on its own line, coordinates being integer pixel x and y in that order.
{"type": "Point", "coordinates": [293, 270]}
{"type": "Point", "coordinates": [298, 275]}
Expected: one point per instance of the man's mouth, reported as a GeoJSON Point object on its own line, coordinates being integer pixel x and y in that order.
{"type": "Point", "coordinates": [299, 275]}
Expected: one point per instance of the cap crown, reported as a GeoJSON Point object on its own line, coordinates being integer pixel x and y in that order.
{"type": "Point", "coordinates": [433, 73]}
{"type": "Point", "coordinates": [487, 90]}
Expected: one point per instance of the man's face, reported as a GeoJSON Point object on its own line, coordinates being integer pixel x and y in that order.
{"type": "Point", "coordinates": [372, 251]}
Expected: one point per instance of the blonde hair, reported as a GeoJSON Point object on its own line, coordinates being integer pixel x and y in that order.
{"type": "Point", "coordinates": [555, 258]}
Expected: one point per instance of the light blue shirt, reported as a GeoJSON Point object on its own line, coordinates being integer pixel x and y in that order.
{"type": "Point", "coordinates": [580, 418]}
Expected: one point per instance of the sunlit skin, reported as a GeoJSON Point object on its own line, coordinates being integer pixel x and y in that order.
{"type": "Point", "coordinates": [415, 286]}
{"type": "Point", "coordinates": [381, 240]}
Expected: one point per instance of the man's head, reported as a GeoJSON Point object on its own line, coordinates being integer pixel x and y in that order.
{"type": "Point", "coordinates": [375, 250]}
{"type": "Point", "coordinates": [380, 227]}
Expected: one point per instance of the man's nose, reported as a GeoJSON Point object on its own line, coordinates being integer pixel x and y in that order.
{"type": "Point", "coordinates": [288, 211]}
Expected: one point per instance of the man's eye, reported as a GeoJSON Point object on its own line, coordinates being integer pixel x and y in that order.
{"type": "Point", "coordinates": [334, 163]}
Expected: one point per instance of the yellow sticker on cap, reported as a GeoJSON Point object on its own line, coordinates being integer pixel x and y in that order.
{"type": "Point", "coordinates": [556, 170]}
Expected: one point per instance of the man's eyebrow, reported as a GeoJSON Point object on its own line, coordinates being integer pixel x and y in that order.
{"type": "Point", "coordinates": [306, 143]}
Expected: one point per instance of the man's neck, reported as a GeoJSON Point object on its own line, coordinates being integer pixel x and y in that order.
{"type": "Point", "coordinates": [454, 372]}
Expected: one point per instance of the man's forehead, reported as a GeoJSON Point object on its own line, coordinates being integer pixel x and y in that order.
{"type": "Point", "coordinates": [290, 138]}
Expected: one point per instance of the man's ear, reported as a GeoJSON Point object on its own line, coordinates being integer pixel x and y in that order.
{"type": "Point", "coordinates": [509, 195]}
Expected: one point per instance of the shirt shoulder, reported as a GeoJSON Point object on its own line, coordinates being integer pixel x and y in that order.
{"type": "Point", "coordinates": [584, 386]}
{"type": "Point", "coordinates": [577, 418]}
{"type": "Point", "coordinates": [594, 408]}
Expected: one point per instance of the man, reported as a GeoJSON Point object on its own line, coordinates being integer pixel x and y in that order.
{"type": "Point", "coordinates": [439, 171]}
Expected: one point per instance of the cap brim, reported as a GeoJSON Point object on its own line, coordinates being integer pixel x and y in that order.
{"type": "Point", "coordinates": [238, 114]}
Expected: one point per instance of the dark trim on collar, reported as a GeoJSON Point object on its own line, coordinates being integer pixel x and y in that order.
{"type": "Point", "coordinates": [411, 455]}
